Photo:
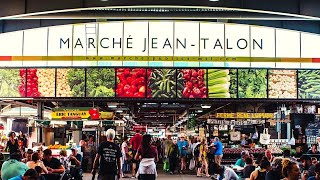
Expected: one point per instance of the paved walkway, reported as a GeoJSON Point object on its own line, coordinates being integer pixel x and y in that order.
{"type": "Point", "coordinates": [161, 176]}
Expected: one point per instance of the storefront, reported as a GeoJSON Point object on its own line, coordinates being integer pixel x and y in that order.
{"type": "Point", "coordinates": [188, 61]}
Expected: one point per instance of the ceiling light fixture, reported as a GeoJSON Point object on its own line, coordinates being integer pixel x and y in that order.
{"type": "Point", "coordinates": [205, 106]}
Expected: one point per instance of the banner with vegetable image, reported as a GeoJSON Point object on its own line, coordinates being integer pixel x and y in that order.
{"type": "Point", "coordinates": [100, 82]}
{"type": "Point", "coordinates": [40, 82]}
{"type": "Point", "coordinates": [222, 83]}
{"type": "Point", "coordinates": [252, 83]}
{"type": "Point", "coordinates": [131, 82]}
{"type": "Point", "coordinates": [282, 84]}
{"type": "Point", "coordinates": [191, 83]}
{"type": "Point", "coordinates": [12, 83]}
{"type": "Point", "coordinates": [70, 82]}
{"type": "Point", "coordinates": [162, 83]}
{"type": "Point", "coordinates": [309, 84]}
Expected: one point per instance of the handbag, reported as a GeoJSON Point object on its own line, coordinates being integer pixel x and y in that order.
{"type": "Point", "coordinates": [235, 136]}
{"type": "Point", "coordinates": [292, 141]}
{"type": "Point", "coordinates": [265, 137]}
{"type": "Point", "coordinates": [255, 135]}
{"type": "Point", "coordinates": [192, 164]}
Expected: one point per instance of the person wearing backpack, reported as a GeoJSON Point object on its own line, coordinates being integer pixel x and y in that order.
{"type": "Point", "coordinates": [173, 156]}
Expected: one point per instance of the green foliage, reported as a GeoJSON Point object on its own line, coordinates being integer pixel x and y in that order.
{"type": "Point", "coordinates": [9, 83]}
{"type": "Point", "coordinates": [252, 83]}
{"type": "Point", "coordinates": [233, 83]}
{"type": "Point", "coordinates": [100, 82]}
{"type": "Point", "coordinates": [76, 80]}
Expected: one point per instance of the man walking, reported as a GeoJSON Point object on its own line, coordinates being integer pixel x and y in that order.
{"type": "Point", "coordinates": [109, 155]}
{"type": "Point", "coordinates": [135, 142]}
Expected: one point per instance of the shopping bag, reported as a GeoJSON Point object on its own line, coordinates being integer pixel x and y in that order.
{"type": "Point", "coordinates": [166, 165]}
{"type": "Point", "coordinates": [265, 137]}
{"type": "Point", "coordinates": [235, 136]}
{"type": "Point", "coordinates": [292, 141]}
{"type": "Point", "coordinates": [192, 164]}
{"type": "Point", "coordinates": [255, 135]}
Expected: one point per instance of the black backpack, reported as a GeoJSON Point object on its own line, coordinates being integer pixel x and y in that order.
{"type": "Point", "coordinates": [196, 150]}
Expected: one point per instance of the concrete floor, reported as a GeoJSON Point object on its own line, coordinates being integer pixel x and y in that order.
{"type": "Point", "coordinates": [161, 176]}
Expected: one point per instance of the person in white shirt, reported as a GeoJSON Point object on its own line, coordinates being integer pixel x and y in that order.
{"type": "Point", "coordinates": [125, 156]}
{"type": "Point", "coordinates": [35, 161]}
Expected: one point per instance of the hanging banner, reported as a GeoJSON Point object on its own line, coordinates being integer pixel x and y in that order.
{"type": "Point", "coordinates": [243, 115]}
{"type": "Point", "coordinates": [80, 113]}
{"type": "Point", "coordinates": [101, 43]}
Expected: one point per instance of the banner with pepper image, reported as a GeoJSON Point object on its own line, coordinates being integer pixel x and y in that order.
{"type": "Point", "coordinates": [162, 83]}
{"type": "Point", "coordinates": [131, 82]}
{"type": "Point", "coordinates": [191, 83]}
{"type": "Point", "coordinates": [222, 83]}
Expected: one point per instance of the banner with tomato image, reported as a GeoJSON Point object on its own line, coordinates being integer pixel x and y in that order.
{"type": "Point", "coordinates": [162, 83]}
{"type": "Point", "coordinates": [131, 82]}
{"type": "Point", "coordinates": [191, 83]}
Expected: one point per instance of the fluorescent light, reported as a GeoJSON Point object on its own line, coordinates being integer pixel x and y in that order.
{"type": "Point", "coordinates": [205, 106]}
{"type": "Point", "coordinates": [199, 111]}
{"type": "Point", "coordinates": [213, 0]}
{"type": "Point", "coordinates": [119, 111]}
{"type": "Point", "coordinates": [112, 106]}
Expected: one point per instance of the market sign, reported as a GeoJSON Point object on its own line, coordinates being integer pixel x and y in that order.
{"type": "Point", "coordinates": [243, 115]}
{"type": "Point", "coordinates": [100, 43]}
{"type": "Point", "coordinates": [78, 114]}
{"type": "Point", "coordinates": [70, 113]}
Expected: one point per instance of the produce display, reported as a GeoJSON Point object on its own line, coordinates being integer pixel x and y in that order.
{"type": "Point", "coordinates": [252, 83]}
{"type": "Point", "coordinates": [132, 82]}
{"type": "Point", "coordinates": [192, 83]}
{"type": "Point", "coordinates": [46, 82]}
{"type": "Point", "coordinates": [222, 83]}
{"type": "Point", "coordinates": [309, 84]}
{"type": "Point", "coordinates": [282, 84]}
{"type": "Point", "coordinates": [100, 82]}
{"type": "Point", "coordinates": [32, 82]}
{"type": "Point", "coordinates": [162, 83]}
{"type": "Point", "coordinates": [58, 146]}
{"type": "Point", "coordinates": [239, 150]}
{"type": "Point", "coordinates": [63, 88]}
{"type": "Point", "coordinates": [9, 83]}
{"type": "Point", "coordinates": [70, 82]}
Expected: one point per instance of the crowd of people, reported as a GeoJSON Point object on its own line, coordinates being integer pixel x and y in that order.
{"type": "Point", "coordinates": [142, 155]}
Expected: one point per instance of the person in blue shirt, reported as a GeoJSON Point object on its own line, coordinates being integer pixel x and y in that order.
{"type": "Point", "coordinates": [30, 174]}
{"type": "Point", "coordinates": [218, 150]}
{"type": "Point", "coordinates": [183, 147]}
{"type": "Point", "coordinates": [317, 171]}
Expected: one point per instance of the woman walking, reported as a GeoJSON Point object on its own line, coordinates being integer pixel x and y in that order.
{"type": "Point", "coordinates": [148, 155]}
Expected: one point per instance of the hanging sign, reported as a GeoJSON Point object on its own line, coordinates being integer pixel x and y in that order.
{"type": "Point", "coordinates": [243, 115]}
{"type": "Point", "coordinates": [80, 113]}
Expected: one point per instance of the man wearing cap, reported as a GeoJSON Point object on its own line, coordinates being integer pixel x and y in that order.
{"type": "Point", "coordinates": [183, 147]}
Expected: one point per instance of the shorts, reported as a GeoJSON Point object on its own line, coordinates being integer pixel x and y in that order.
{"type": "Point", "coordinates": [134, 155]}
{"type": "Point", "coordinates": [107, 177]}
{"type": "Point", "coordinates": [183, 154]}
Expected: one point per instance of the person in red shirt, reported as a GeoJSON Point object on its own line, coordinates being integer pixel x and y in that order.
{"type": "Point", "coordinates": [135, 143]}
